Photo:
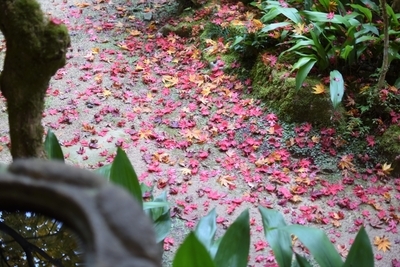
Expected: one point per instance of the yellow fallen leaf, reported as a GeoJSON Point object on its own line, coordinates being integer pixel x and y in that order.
{"type": "Point", "coordinates": [319, 89]}
{"type": "Point", "coordinates": [382, 243]}
{"type": "Point", "coordinates": [226, 180]}
{"type": "Point", "coordinates": [135, 33]}
{"type": "Point", "coordinates": [169, 81]}
{"type": "Point", "coordinates": [299, 28]}
{"type": "Point", "coordinates": [82, 5]}
{"type": "Point", "coordinates": [106, 93]}
{"type": "Point", "coordinates": [186, 171]}
{"type": "Point", "coordinates": [387, 168]}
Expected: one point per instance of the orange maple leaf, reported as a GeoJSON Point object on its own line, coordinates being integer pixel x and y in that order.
{"type": "Point", "coordinates": [161, 157]}
{"type": "Point", "coordinates": [82, 5]}
{"type": "Point", "coordinates": [135, 33]}
{"type": "Point", "coordinates": [346, 163]}
{"type": "Point", "coordinates": [145, 134]}
{"type": "Point", "coordinates": [382, 243]}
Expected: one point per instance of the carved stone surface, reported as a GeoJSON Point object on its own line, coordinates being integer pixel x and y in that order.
{"type": "Point", "coordinates": [113, 227]}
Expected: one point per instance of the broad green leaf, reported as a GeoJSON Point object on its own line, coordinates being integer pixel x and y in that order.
{"type": "Point", "coordinates": [318, 244]}
{"type": "Point", "coordinates": [273, 26]}
{"type": "Point", "coordinates": [348, 20]}
{"type": "Point", "coordinates": [302, 61]}
{"type": "Point", "coordinates": [104, 171]}
{"type": "Point", "coordinates": [336, 87]}
{"type": "Point", "coordinates": [154, 204]}
{"type": "Point", "coordinates": [233, 250]}
{"type": "Point", "coordinates": [393, 53]}
{"type": "Point", "coordinates": [370, 28]}
{"type": "Point", "coordinates": [366, 11]}
{"type": "Point", "coordinates": [371, 4]}
{"type": "Point", "coordinates": [364, 38]}
{"type": "Point", "coordinates": [392, 15]}
{"type": "Point", "coordinates": [303, 71]}
{"type": "Point", "coordinates": [192, 253]}
{"type": "Point", "coordinates": [325, 4]}
{"type": "Point", "coordinates": [123, 174]}
{"type": "Point", "coordinates": [346, 51]}
{"type": "Point", "coordinates": [237, 41]}
{"type": "Point", "coordinates": [157, 212]}
{"type": "Point", "coordinates": [279, 240]}
{"type": "Point", "coordinates": [162, 226]}
{"type": "Point", "coordinates": [272, 14]}
{"type": "Point", "coordinates": [290, 13]}
{"type": "Point", "coordinates": [397, 83]}
{"type": "Point", "coordinates": [52, 147]}
{"type": "Point", "coordinates": [160, 215]}
{"type": "Point", "coordinates": [206, 228]}
{"type": "Point", "coordinates": [301, 261]}
{"type": "Point", "coordinates": [322, 58]}
{"type": "Point", "coordinates": [214, 247]}
{"type": "Point", "coordinates": [360, 253]}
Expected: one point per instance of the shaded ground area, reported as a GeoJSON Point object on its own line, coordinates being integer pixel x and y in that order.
{"type": "Point", "coordinates": [189, 128]}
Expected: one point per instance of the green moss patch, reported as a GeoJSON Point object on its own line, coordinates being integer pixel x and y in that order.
{"type": "Point", "coordinates": [277, 89]}
{"type": "Point", "coordinates": [389, 147]}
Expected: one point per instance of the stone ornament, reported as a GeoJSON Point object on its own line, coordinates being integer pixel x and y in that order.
{"type": "Point", "coordinates": [112, 226]}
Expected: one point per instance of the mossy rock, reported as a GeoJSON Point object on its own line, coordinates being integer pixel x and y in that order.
{"type": "Point", "coordinates": [389, 147]}
{"type": "Point", "coordinates": [279, 92]}
{"type": "Point", "coordinates": [182, 30]}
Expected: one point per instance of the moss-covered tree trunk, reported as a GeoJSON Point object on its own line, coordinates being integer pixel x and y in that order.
{"type": "Point", "coordinates": [36, 48]}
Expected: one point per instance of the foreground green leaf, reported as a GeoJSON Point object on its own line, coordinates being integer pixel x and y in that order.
{"type": "Point", "coordinates": [104, 171]}
{"type": "Point", "coordinates": [162, 226]}
{"type": "Point", "coordinates": [122, 173]}
{"type": "Point", "coordinates": [234, 248]}
{"type": "Point", "coordinates": [52, 147]}
{"type": "Point", "coordinates": [360, 253]}
{"type": "Point", "coordinates": [206, 228]}
{"type": "Point", "coordinates": [192, 253]}
{"type": "Point", "coordinates": [318, 243]}
{"type": "Point", "coordinates": [301, 261]}
{"type": "Point", "coordinates": [279, 240]}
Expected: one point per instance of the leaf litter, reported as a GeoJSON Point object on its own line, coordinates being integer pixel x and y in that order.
{"type": "Point", "coordinates": [189, 129]}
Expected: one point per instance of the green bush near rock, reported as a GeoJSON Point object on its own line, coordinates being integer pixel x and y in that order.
{"type": "Point", "coordinates": [272, 84]}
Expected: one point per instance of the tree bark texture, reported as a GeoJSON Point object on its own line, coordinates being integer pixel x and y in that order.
{"type": "Point", "coordinates": [36, 49]}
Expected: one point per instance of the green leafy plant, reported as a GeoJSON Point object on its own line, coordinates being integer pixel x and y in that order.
{"type": "Point", "coordinates": [278, 235]}
{"type": "Point", "coordinates": [121, 172]}
{"type": "Point", "coordinates": [230, 250]}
